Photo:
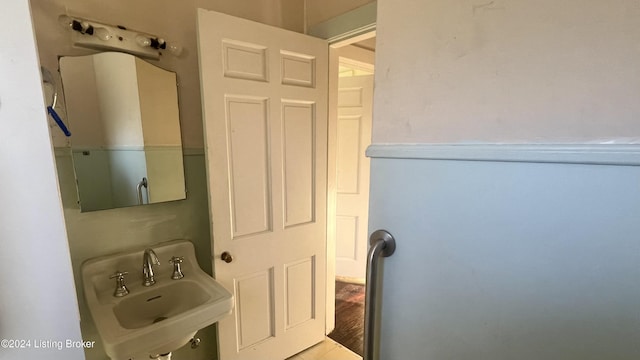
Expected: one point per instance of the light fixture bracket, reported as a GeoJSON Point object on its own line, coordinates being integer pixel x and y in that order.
{"type": "Point", "coordinates": [108, 37]}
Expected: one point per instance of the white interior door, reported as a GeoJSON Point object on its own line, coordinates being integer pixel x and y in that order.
{"type": "Point", "coordinates": [264, 93]}
{"type": "Point", "coordinates": [355, 100]}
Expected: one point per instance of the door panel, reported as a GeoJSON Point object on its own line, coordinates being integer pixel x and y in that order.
{"type": "Point", "coordinates": [346, 233]}
{"type": "Point", "coordinates": [299, 289]}
{"type": "Point", "coordinates": [298, 162]}
{"type": "Point", "coordinates": [244, 60]}
{"type": "Point", "coordinates": [298, 69]}
{"type": "Point", "coordinates": [249, 170]}
{"type": "Point", "coordinates": [355, 97]}
{"type": "Point", "coordinates": [264, 95]}
{"type": "Point", "coordinates": [254, 299]}
{"type": "Point", "coordinates": [349, 154]}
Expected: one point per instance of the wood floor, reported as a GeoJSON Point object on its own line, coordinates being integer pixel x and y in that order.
{"type": "Point", "coordinates": [349, 330]}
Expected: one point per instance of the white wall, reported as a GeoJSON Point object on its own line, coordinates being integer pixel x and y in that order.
{"type": "Point", "coordinates": [547, 71]}
{"type": "Point", "coordinates": [37, 301]}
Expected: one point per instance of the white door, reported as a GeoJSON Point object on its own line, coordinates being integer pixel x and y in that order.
{"type": "Point", "coordinates": [355, 100]}
{"type": "Point", "coordinates": [264, 93]}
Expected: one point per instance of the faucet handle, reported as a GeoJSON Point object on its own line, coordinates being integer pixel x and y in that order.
{"type": "Point", "coordinates": [121, 289]}
{"type": "Point", "coordinates": [177, 270]}
{"type": "Point", "coordinates": [119, 274]}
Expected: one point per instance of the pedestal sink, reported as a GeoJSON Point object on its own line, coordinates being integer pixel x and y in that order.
{"type": "Point", "coordinates": [157, 319]}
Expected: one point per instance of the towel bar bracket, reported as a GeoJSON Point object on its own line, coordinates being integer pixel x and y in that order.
{"type": "Point", "coordinates": [389, 242]}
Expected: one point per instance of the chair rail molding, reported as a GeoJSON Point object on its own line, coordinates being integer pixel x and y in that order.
{"type": "Point", "coordinates": [596, 154]}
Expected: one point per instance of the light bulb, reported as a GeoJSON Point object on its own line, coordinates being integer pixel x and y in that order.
{"type": "Point", "coordinates": [143, 41]}
{"type": "Point", "coordinates": [102, 34]}
{"type": "Point", "coordinates": [175, 48]}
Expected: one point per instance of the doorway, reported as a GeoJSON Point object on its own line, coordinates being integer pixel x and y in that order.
{"type": "Point", "coordinates": [349, 137]}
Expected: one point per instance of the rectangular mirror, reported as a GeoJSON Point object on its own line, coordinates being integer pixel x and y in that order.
{"type": "Point", "coordinates": [125, 131]}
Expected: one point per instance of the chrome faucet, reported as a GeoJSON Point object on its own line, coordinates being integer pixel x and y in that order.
{"type": "Point", "coordinates": [148, 260]}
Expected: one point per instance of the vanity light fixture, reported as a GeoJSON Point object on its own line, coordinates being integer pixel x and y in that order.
{"type": "Point", "coordinates": [94, 35]}
{"type": "Point", "coordinates": [159, 43]}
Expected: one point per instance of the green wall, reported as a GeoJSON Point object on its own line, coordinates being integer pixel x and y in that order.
{"type": "Point", "coordinates": [104, 232]}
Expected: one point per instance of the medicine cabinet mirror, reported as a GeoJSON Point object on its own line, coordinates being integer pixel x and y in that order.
{"type": "Point", "coordinates": [125, 131]}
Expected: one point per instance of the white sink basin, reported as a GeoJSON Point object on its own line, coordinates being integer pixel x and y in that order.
{"type": "Point", "coordinates": [156, 319]}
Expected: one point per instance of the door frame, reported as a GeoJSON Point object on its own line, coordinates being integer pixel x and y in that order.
{"type": "Point", "coordinates": [364, 59]}
{"type": "Point", "coordinates": [351, 24]}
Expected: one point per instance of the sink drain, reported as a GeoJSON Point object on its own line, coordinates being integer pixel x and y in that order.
{"type": "Point", "coordinates": [160, 319]}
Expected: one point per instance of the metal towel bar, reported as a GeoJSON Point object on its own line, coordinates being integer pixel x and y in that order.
{"type": "Point", "coordinates": [382, 244]}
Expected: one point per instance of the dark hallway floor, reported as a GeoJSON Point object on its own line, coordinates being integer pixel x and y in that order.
{"type": "Point", "coordinates": [349, 330]}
